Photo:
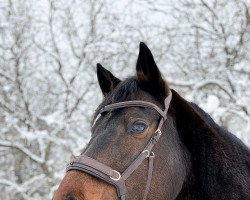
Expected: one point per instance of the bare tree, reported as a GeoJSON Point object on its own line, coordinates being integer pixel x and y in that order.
{"type": "Point", "coordinates": [209, 51]}
{"type": "Point", "coordinates": [48, 53]}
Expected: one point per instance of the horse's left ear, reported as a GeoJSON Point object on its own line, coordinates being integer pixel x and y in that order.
{"type": "Point", "coordinates": [148, 74]}
{"type": "Point", "coordinates": [106, 79]}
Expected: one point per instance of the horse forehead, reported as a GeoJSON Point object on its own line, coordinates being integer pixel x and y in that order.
{"type": "Point", "coordinates": [138, 95]}
{"type": "Point", "coordinates": [143, 96]}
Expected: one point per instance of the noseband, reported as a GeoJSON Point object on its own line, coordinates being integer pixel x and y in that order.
{"type": "Point", "coordinates": [95, 168]}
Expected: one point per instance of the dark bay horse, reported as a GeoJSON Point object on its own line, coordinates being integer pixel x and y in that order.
{"type": "Point", "coordinates": [150, 143]}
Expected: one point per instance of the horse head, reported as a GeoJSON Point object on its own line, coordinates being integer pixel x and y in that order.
{"type": "Point", "coordinates": [146, 146]}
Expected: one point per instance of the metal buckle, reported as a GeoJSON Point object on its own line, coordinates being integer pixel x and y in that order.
{"type": "Point", "coordinates": [158, 131]}
{"type": "Point", "coordinates": [148, 154]}
{"type": "Point", "coordinates": [116, 179]}
{"type": "Point", "coordinates": [152, 154]}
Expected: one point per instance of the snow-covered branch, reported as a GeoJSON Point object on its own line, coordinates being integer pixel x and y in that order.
{"type": "Point", "coordinates": [27, 152]}
{"type": "Point", "coordinates": [216, 83]}
{"type": "Point", "coordinates": [48, 87]}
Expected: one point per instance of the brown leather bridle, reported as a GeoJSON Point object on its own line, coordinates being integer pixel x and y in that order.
{"type": "Point", "coordinates": [95, 168]}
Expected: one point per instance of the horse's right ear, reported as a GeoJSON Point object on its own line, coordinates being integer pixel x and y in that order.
{"type": "Point", "coordinates": [106, 79]}
{"type": "Point", "coordinates": [148, 74]}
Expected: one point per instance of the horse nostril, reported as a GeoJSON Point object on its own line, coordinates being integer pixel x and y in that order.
{"type": "Point", "coordinates": [70, 198]}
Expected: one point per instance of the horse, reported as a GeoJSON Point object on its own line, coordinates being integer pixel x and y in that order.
{"type": "Point", "coordinates": [148, 142]}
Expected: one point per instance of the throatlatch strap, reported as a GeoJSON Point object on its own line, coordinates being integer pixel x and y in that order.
{"type": "Point", "coordinates": [131, 168]}
{"type": "Point", "coordinates": [150, 174]}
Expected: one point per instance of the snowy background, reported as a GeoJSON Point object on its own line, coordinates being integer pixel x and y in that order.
{"type": "Point", "coordinates": [48, 87]}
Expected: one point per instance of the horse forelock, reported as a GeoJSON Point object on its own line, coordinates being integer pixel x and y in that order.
{"type": "Point", "coordinates": [123, 90]}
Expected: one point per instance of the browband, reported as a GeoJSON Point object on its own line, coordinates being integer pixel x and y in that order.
{"type": "Point", "coordinates": [143, 104]}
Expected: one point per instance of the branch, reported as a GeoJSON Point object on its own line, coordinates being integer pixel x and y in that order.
{"type": "Point", "coordinates": [212, 82]}
{"type": "Point", "coordinates": [24, 150]}
{"type": "Point", "coordinates": [181, 83]}
{"type": "Point", "coordinates": [74, 108]}
{"type": "Point", "coordinates": [24, 187]}
{"type": "Point", "coordinates": [18, 188]}
{"type": "Point", "coordinates": [6, 77]}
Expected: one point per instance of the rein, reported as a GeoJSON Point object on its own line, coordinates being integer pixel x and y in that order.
{"type": "Point", "coordinates": [99, 170]}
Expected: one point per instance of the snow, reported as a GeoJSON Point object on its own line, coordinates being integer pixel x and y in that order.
{"type": "Point", "coordinates": [212, 104]}
{"type": "Point", "coordinates": [48, 85]}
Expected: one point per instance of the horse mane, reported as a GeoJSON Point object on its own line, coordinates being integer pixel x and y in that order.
{"type": "Point", "coordinates": [229, 137]}
{"type": "Point", "coordinates": [220, 161]}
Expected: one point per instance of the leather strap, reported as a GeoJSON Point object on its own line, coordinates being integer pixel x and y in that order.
{"type": "Point", "coordinates": [126, 104]}
{"type": "Point", "coordinates": [106, 173]}
{"type": "Point", "coordinates": [135, 164]}
{"type": "Point", "coordinates": [119, 184]}
{"type": "Point", "coordinates": [90, 162]}
{"type": "Point", "coordinates": [150, 174]}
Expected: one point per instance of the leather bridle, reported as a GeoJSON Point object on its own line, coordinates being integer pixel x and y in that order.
{"type": "Point", "coordinates": [95, 168]}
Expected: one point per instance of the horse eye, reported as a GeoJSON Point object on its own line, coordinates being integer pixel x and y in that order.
{"type": "Point", "coordinates": [138, 127]}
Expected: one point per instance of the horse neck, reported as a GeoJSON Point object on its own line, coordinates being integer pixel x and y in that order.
{"type": "Point", "coordinates": [218, 159]}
